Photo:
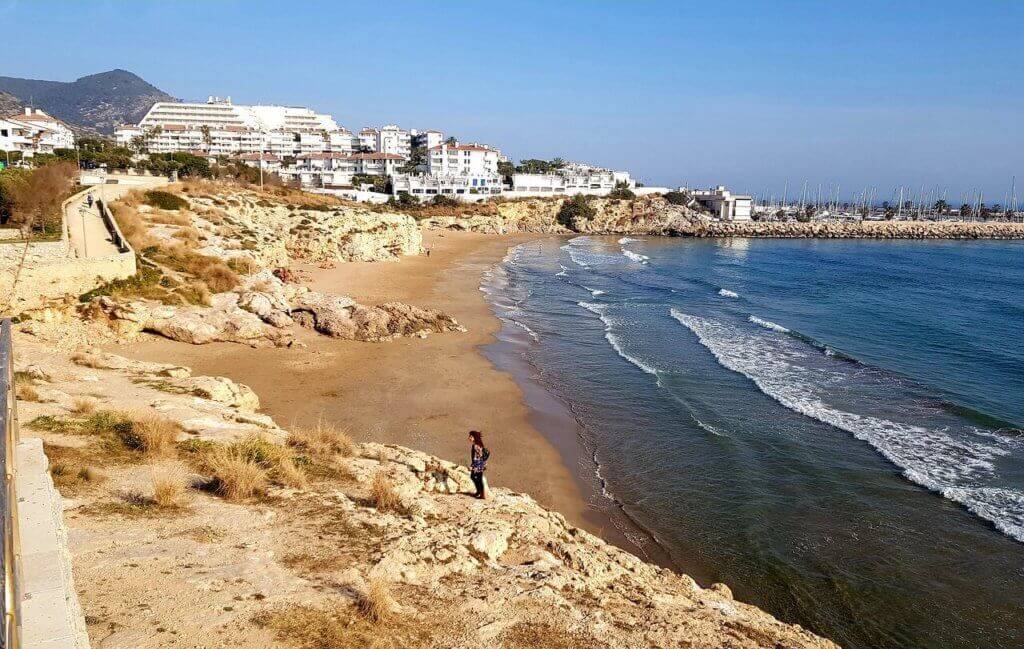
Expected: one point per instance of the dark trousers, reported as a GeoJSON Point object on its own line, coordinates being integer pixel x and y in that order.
{"type": "Point", "coordinates": [478, 481]}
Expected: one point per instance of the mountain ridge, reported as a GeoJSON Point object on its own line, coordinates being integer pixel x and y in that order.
{"type": "Point", "coordinates": [97, 102]}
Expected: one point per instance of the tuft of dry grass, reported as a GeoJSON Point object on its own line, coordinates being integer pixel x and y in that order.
{"type": "Point", "coordinates": [375, 602]}
{"type": "Point", "coordinates": [84, 406]}
{"type": "Point", "coordinates": [315, 562]}
{"type": "Point", "coordinates": [322, 438]}
{"type": "Point", "coordinates": [235, 475]}
{"type": "Point", "coordinates": [202, 534]}
{"type": "Point", "coordinates": [383, 494]}
{"type": "Point", "coordinates": [86, 360]}
{"type": "Point", "coordinates": [170, 485]}
{"type": "Point", "coordinates": [69, 477]}
{"type": "Point", "coordinates": [148, 433]}
{"type": "Point", "coordinates": [27, 392]}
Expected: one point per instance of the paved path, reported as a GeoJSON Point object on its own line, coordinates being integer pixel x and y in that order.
{"type": "Point", "coordinates": [87, 231]}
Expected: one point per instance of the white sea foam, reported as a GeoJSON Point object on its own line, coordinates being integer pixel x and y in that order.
{"type": "Point", "coordinates": [768, 325]}
{"type": "Point", "coordinates": [724, 292]}
{"type": "Point", "coordinates": [954, 466]}
{"type": "Point", "coordinates": [525, 327]}
{"type": "Point", "coordinates": [624, 240]}
{"type": "Point", "coordinates": [601, 310]}
{"type": "Point", "coordinates": [562, 272]}
{"type": "Point", "coordinates": [594, 291]}
{"type": "Point", "coordinates": [637, 257]}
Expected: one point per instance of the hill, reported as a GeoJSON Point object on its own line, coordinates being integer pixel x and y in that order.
{"type": "Point", "coordinates": [96, 102]}
{"type": "Point", "coordinates": [9, 104]}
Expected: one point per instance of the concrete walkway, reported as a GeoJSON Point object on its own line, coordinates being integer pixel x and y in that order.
{"type": "Point", "coordinates": [87, 232]}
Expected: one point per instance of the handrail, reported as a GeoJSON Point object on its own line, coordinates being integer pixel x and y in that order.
{"type": "Point", "coordinates": [11, 608]}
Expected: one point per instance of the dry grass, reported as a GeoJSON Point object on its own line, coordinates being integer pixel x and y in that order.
{"type": "Point", "coordinates": [527, 635]}
{"type": "Point", "coordinates": [375, 602]}
{"type": "Point", "coordinates": [170, 485]}
{"type": "Point", "coordinates": [87, 360]}
{"type": "Point", "coordinates": [202, 534]}
{"type": "Point", "coordinates": [324, 439]}
{"type": "Point", "coordinates": [168, 218]}
{"type": "Point", "coordinates": [69, 477]}
{"type": "Point", "coordinates": [335, 627]}
{"type": "Point", "coordinates": [315, 562]}
{"type": "Point", "coordinates": [235, 476]}
{"type": "Point", "coordinates": [84, 406]}
{"type": "Point", "coordinates": [383, 494]}
{"type": "Point", "coordinates": [27, 392]}
{"type": "Point", "coordinates": [148, 433]}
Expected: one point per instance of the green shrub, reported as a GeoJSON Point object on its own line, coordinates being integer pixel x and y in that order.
{"type": "Point", "coordinates": [574, 210]}
{"type": "Point", "coordinates": [165, 200]}
{"type": "Point", "coordinates": [444, 201]}
{"type": "Point", "coordinates": [678, 198]}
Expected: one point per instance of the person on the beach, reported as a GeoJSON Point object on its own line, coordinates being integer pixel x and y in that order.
{"type": "Point", "coordinates": [478, 455]}
{"type": "Point", "coordinates": [88, 200]}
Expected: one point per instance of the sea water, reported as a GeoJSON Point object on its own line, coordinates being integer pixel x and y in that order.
{"type": "Point", "coordinates": [832, 428]}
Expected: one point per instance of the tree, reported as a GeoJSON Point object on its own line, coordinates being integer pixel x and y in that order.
{"type": "Point", "coordinates": [140, 143]}
{"type": "Point", "coordinates": [417, 157]}
{"type": "Point", "coordinates": [575, 211]}
{"type": "Point", "coordinates": [207, 138]}
{"type": "Point", "coordinates": [622, 191]}
{"type": "Point", "coordinates": [678, 198]}
{"type": "Point", "coordinates": [451, 141]}
{"type": "Point", "coordinates": [965, 209]}
{"type": "Point", "coordinates": [941, 206]}
{"type": "Point", "coordinates": [506, 169]}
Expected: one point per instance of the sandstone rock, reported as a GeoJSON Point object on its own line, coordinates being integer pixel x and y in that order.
{"type": "Point", "coordinates": [224, 390]}
{"type": "Point", "coordinates": [490, 544]}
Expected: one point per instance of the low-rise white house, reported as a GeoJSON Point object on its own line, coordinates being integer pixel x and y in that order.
{"type": "Point", "coordinates": [569, 181]}
{"type": "Point", "coordinates": [33, 131]}
{"type": "Point", "coordinates": [723, 204]}
{"type": "Point", "coordinates": [467, 188]}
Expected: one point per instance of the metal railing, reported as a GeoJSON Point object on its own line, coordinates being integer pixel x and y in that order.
{"type": "Point", "coordinates": [8, 502]}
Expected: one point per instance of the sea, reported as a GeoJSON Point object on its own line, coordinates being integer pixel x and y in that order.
{"type": "Point", "coordinates": [832, 428]}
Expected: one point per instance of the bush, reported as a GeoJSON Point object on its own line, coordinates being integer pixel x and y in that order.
{"type": "Point", "coordinates": [678, 198]}
{"type": "Point", "coordinates": [444, 201]}
{"type": "Point", "coordinates": [322, 439]}
{"type": "Point", "coordinates": [235, 476]}
{"type": "Point", "coordinates": [147, 433]}
{"type": "Point", "coordinates": [165, 200]}
{"type": "Point", "coordinates": [170, 484]}
{"type": "Point", "coordinates": [574, 210]}
{"type": "Point", "coordinates": [623, 193]}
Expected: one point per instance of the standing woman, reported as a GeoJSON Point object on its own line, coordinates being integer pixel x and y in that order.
{"type": "Point", "coordinates": [478, 455]}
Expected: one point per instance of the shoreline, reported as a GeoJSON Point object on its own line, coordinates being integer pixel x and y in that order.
{"type": "Point", "coordinates": [448, 383]}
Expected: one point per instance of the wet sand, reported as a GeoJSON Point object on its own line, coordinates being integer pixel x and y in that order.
{"type": "Point", "coordinates": [421, 393]}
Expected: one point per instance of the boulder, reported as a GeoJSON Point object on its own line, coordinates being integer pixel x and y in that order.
{"type": "Point", "coordinates": [224, 390]}
{"type": "Point", "coordinates": [490, 544]}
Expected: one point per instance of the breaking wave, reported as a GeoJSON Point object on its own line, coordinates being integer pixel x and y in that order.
{"type": "Point", "coordinates": [768, 325]}
{"type": "Point", "coordinates": [601, 311]}
{"type": "Point", "coordinates": [724, 292]}
{"type": "Point", "coordinates": [637, 257]}
{"type": "Point", "coordinates": [955, 461]}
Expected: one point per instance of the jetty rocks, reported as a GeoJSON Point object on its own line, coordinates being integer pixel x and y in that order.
{"type": "Point", "coordinates": [654, 215]}
{"type": "Point", "coordinates": [262, 311]}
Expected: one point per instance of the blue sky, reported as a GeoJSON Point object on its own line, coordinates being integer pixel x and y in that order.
{"type": "Point", "coordinates": [749, 94]}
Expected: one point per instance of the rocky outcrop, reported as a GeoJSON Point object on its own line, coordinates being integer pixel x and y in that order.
{"type": "Point", "coordinates": [644, 215]}
{"type": "Point", "coordinates": [653, 215]}
{"type": "Point", "coordinates": [341, 317]}
{"type": "Point", "coordinates": [273, 233]}
{"type": "Point", "coordinates": [262, 312]}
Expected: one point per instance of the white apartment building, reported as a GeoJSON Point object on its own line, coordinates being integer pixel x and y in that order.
{"type": "Point", "coordinates": [723, 204]}
{"type": "Point", "coordinates": [270, 162]}
{"type": "Point", "coordinates": [332, 170]}
{"type": "Point", "coordinates": [33, 131]}
{"type": "Point", "coordinates": [391, 139]}
{"type": "Point", "coordinates": [222, 128]}
{"type": "Point", "coordinates": [472, 160]}
{"type": "Point", "coordinates": [367, 140]}
{"type": "Point", "coordinates": [426, 186]}
{"type": "Point", "coordinates": [426, 139]}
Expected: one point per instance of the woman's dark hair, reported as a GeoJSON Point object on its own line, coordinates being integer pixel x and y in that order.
{"type": "Point", "coordinates": [478, 437]}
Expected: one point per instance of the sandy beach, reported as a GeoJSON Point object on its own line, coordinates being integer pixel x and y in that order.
{"type": "Point", "coordinates": [421, 393]}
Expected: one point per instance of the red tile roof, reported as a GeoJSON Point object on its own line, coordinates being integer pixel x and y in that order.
{"type": "Point", "coordinates": [461, 147]}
